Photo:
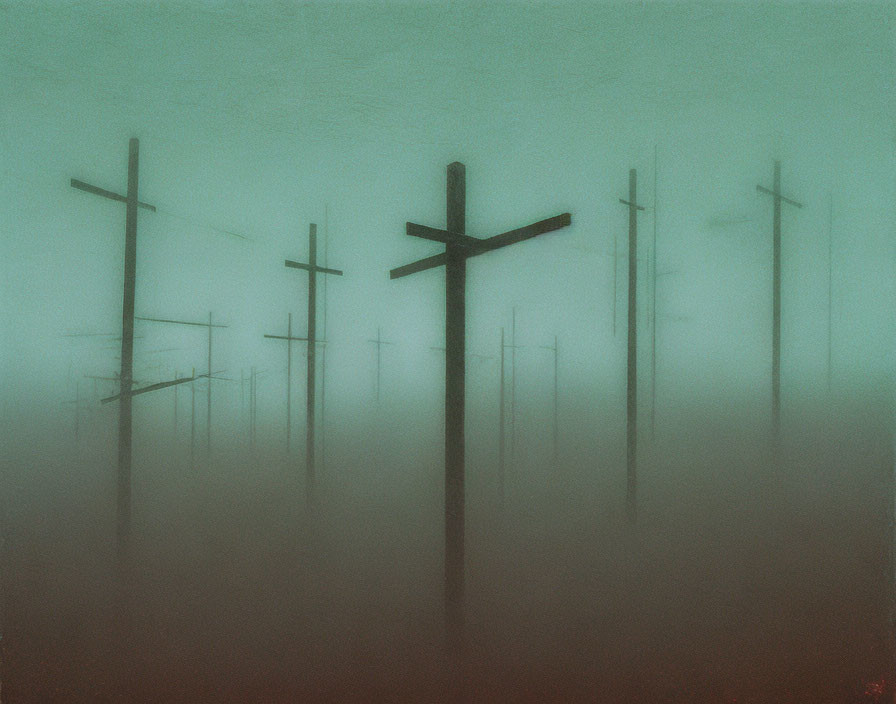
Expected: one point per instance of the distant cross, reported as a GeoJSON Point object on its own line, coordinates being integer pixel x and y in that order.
{"type": "Point", "coordinates": [209, 325]}
{"type": "Point", "coordinates": [289, 340]}
{"type": "Point", "coordinates": [778, 199]}
{"type": "Point", "coordinates": [501, 421]}
{"type": "Point", "coordinates": [78, 403]}
{"type": "Point", "coordinates": [458, 248]}
{"type": "Point", "coordinates": [313, 269]}
{"type": "Point", "coordinates": [379, 342]}
{"type": "Point", "coordinates": [555, 350]}
{"type": "Point", "coordinates": [123, 520]}
{"type": "Point", "coordinates": [631, 427]}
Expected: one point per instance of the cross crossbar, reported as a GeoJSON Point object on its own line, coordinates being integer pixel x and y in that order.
{"type": "Point", "coordinates": [770, 192]}
{"type": "Point", "coordinates": [180, 322]}
{"type": "Point", "coordinates": [289, 337]}
{"type": "Point", "coordinates": [443, 236]}
{"type": "Point", "coordinates": [154, 387]}
{"type": "Point", "coordinates": [320, 269]}
{"type": "Point", "coordinates": [81, 185]}
{"type": "Point", "coordinates": [631, 205]}
{"type": "Point", "coordinates": [487, 245]}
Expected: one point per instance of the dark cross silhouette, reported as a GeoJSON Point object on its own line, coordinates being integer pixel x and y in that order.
{"type": "Point", "coordinates": [289, 340]}
{"type": "Point", "coordinates": [208, 410]}
{"type": "Point", "coordinates": [379, 342]}
{"type": "Point", "coordinates": [123, 518]}
{"type": "Point", "coordinates": [778, 199]}
{"type": "Point", "coordinates": [631, 426]}
{"type": "Point", "coordinates": [313, 269]}
{"type": "Point", "coordinates": [458, 248]}
{"type": "Point", "coordinates": [555, 350]}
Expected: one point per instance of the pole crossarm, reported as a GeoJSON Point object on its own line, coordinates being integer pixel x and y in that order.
{"type": "Point", "coordinates": [81, 185]}
{"type": "Point", "coordinates": [484, 245]}
{"type": "Point", "coordinates": [319, 269]}
{"type": "Point", "coordinates": [443, 236]}
{"type": "Point", "coordinates": [288, 337]}
{"type": "Point", "coordinates": [631, 205]}
{"type": "Point", "coordinates": [179, 322]}
{"type": "Point", "coordinates": [154, 387]}
{"type": "Point", "coordinates": [770, 192]}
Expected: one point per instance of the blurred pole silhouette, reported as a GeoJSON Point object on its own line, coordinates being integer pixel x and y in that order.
{"type": "Point", "coordinates": [313, 269]}
{"type": "Point", "coordinates": [556, 426]}
{"type": "Point", "coordinates": [778, 199]}
{"type": "Point", "coordinates": [631, 427]}
{"type": "Point", "coordinates": [458, 247]}
{"type": "Point", "coordinates": [379, 342]}
{"type": "Point", "coordinates": [289, 340]}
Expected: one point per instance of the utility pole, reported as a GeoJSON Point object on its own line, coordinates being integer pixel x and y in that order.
{"type": "Point", "coordinates": [631, 428]}
{"type": "Point", "coordinates": [123, 519]}
{"type": "Point", "coordinates": [653, 304]}
{"type": "Point", "coordinates": [313, 269]}
{"type": "Point", "coordinates": [289, 340]}
{"type": "Point", "coordinates": [778, 199]}
{"type": "Point", "coordinates": [830, 288]}
{"type": "Point", "coordinates": [554, 349]}
{"type": "Point", "coordinates": [458, 248]}
{"type": "Point", "coordinates": [379, 342]}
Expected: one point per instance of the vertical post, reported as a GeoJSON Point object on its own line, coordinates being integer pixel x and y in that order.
{"type": "Point", "coordinates": [193, 421]}
{"type": "Point", "coordinates": [653, 307]}
{"type": "Point", "coordinates": [513, 388]}
{"type": "Point", "coordinates": [323, 356]}
{"type": "Point", "coordinates": [288, 383]}
{"type": "Point", "coordinates": [77, 411]}
{"type": "Point", "coordinates": [127, 358]}
{"type": "Point", "coordinates": [556, 408]}
{"type": "Point", "coordinates": [312, 321]}
{"type": "Point", "coordinates": [378, 346]}
{"type": "Point", "coordinates": [830, 287]}
{"type": "Point", "coordinates": [632, 376]}
{"type": "Point", "coordinates": [776, 310]}
{"type": "Point", "coordinates": [175, 411]}
{"type": "Point", "coordinates": [208, 417]}
{"type": "Point", "coordinates": [252, 409]}
{"type": "Point", "coordinates": [615, 276]}
{"type": "Point", "coordinates": [455, 274]}
{"type": "Point", "coordinates": [501, 427]}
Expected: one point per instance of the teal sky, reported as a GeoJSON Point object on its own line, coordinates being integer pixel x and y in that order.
{"type": "Point", "coordinates": [259, 118]}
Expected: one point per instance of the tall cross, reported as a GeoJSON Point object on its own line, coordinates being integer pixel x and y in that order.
{"type": "Point", "coordinates": [778, 199]}
{"type": "Point", "coordinates": [379, 342]}
{"type": "Point", "coordinates": [631, 426]}
{"type": "Point", "coordinates": [125, 429]}
{"type": "Point", "coordinates": [313, 269]}
{"type": "Point", "coordinates": [501, 421]}
{"type": "Point", "coordinates": [289, 340]}
{"type": "Point", "coordinates": [458, 248]}
{"type": "Point", "coordinates": [209, 325]}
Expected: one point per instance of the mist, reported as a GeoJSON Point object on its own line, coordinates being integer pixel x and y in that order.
{"type": "Point", "coordinates": [758, 564]}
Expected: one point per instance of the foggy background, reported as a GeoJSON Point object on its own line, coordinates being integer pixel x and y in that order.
{"type": "Point", "coordinates": [257, 119]}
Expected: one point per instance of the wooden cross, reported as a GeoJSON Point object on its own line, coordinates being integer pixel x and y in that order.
{"type": "Point", "coordinates": [289, 340]}
{"type": "Point", "coordinates": [458, 248]}
{"type": "Point", "coordinates": [631, 427]}
{"type": "Point", "coordinates": [778, 198]}
{"type": "Point", "coordinates": [313, 269]}
{"type": "Point", "coordinates": [125, 429]}
{"type": "Point", "coordinates": [379, 342]}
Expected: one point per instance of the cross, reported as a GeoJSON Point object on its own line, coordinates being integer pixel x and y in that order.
{"type": "Point", "coordinates": [78, 402]}
{"type": "Point", "coordinates": [631, 427]}
{"type": "Point", "coordinates": [289, 340]}
{"type": "Point", "coordinates": [123, 519]}
{"type": "Point", "coordinates": [313, 269]}
{"type": "Point", "coordinates": [778, 198]}
{"type": "Point", "coordinates": [379, 342]}
{"type": "Point", "coordinates": [458, 248]}
{"type": "Point", "coordinates": [209, 325]}
{"type": "Point", "coordinates": [501, 423]}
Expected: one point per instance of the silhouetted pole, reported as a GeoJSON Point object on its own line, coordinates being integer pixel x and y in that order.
{"type": "Point", "coordinates": [653, 306]}
{"type": "Point", "coordinates": [501, 427]}
{"type": "Point", "coordinates": [830, 289]}
{"type": "Point", "coordinates": [252, 409]}
{"type": "Point", "coordinates": [513, 347]}
{"type": "Point", "coordinates": [379, 342]}
{"type": "Point", "coordinates": [458, 247]}
{"type": "Point", "coordinates": [554, 349]}
{"type": "Point", "coordinates": [313, 269]}
{"type": "Point", "coordinates": [289, 340]}
{"type": "Point", "coordinates": [123, 523]}
{"type": "Point", "coordinates": [193, 423]}
{"type": "Point", "coordinates": [776, 299]}
{"type": "Point", "coordinates": [631, 428]}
